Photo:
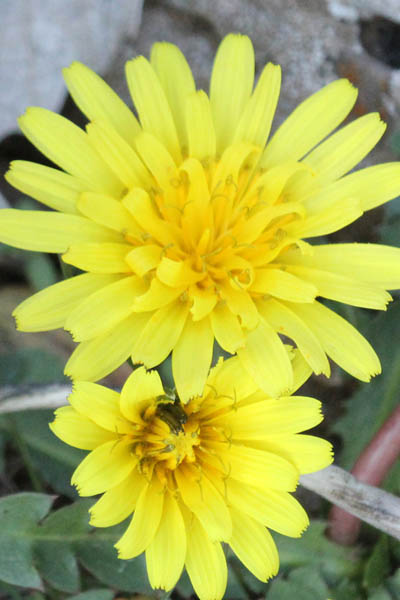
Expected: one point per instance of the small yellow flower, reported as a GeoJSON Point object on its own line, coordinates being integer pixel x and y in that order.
{"type": "Point", "coordinates": [191, 225]}
{"type": "Point", "coordinates": [216, 469]}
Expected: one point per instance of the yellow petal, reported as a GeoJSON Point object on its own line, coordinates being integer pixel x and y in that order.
{"type": "Point", "coordinates": [177, 82]}
{"type": "Point", "coordinates": [340, 340]}
{"type": "Point", "coordinates": [99, 258]}
{"type": "Point", "coordinates": [157, 296]}
{"type": "Point", "coordinates": [191, 358]}
{"type": "Point", "coordinates": [231, 84]}
{"type": "Point", "coordinates": [200, 127]}
{"type": "Point", "coordinates": [49, 186]}
{"type": "Point", "coordinates": [144, 524]}
{"type": "Point", "coordinates": [141, 207]}
{"type": "Point", "coordinates": [98, 357]}
{"type": "Point", "coordinates": [308, 452]}
{"type": "Point", "coordinates": [259, 420]}
{"type": "Point", "coordinates": [118, 154]}
{"type": "Point", "coordinates": [203, 302]}
{"type": "Point", "coordinates": [301, 369]}
{"type": "Point", "coordinates": [104, 467]}
{"type": "Point", "coordinates": [256, 223]}
{"type": "Point", "coordinates": [226, 328]}
{"type": "Point", "coordinates": [310, 123]}
{"type": "Point", "coordinates": [143, 259]}
{"type": "Point", "coordinates": [275, 509]}
{"type": "Point", "coordinates": [342, 288]}
{"type": "Point", "coordinates": [266, 360]}
{"type": "Point", "coordinates": [151, 104]}
{"type": "Point", "coordinates": [165, 556]}
{"type": "Point", "coordinates": [255, 123]}
{"type": "Point", "coordinates": [196, 215]}
{"type": "Point", "coordinates": [250, 466]}
{"type": "Point", "coordinates": [162, 166]}
{"type": "Point", "coordinates": [253, 545]}
{"type": "Point", "coordinates": [230, 379]}
{"type": "Point", "coordinates": [177, 273]}
{"type": "Point", "coordinates": [109, 212]}
{"type": "Point", "coordinates": [335, 217]}
{"type": "Point", "coordinates": [78, 430]}
{"type": "Point", "coordinates": [49, 308]}
{"type": "Point", "coordinates": [241, 304]}
{"type": "Point", "coordinates": [203, 499]}
{"type": "Point", "coordinates": [285, 322]}
{"type": "Point", "coordinates": [140, 390]}
{"type": "Point", "coordinates": [282, 284]}
{"type": "Point", "coordinates": [101, 405]}
{"type": "Point", "coordinates": [104, 309]}
{"type": "Point", "coordinates": [373, 186]}
{"type": "Point", "coordinates": [117, 503]}
{"type": "Point", "coordinates": [205, 563]}
{"type": "Point", "coordinates": [49, 231]}
{"type": "Point", "coordinates": [160, 334]}
{"type": "Point", "coordinates": [346, 148]}
{"type": "Point", "coordinates": [98, 101]}
{"type": "Point", "coordinates": [68, 146]}
{"type": "Point", "coordinates": [374, 264]}
{"type": "Point", "coordinates": [225, 179]}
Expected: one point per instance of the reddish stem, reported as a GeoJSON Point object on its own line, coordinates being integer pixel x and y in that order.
{"type": "Point", "coordinates": [371, 467]}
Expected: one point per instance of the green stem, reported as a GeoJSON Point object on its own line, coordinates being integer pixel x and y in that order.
{"type": "Point", "coordinates": [24, 452]}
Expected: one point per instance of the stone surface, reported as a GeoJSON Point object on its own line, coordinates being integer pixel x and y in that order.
{"type": "Point", "coordinates": [39, 37]}
{"type": "Point", "coordinates": [364, 9]}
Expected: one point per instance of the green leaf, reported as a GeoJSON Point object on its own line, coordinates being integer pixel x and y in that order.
{"type": "Point", "coordinates": [389, 229]}
{"type": "Point", "coordinates": [237, 571]}
{"type": "Point", "coordinates": [30, 365]}
{"type": "Point", "coordinates": [94, 595]}
{"type": "Point", "coordinates": [373, 402]}
{"type": "Point", "coordinates": [308, 577]}
{"type": "Point", "coordinates": [30, 546]}
{"type": "Point", "coordinates": [284, 590]}
{"type": "Point", "coordinates": [393, 585]}
{"type": "Point", "coordinates": [54, 460]}
{"type": "Point", "coordinates": [19, 515]}
{"type": "Point", "coordinates": [346, 590]}
{"type": "Point", "coordinates": [184, 586]}
{"type": "Point", "coordinates": [377, 567]}
{"type": "Point", "coordinates": [333, 562]}
{"type": "Point", "coordinates": [303, 583]}
{"type": "Point", "coordinates": [40, 271]}
{"type": "Point", "coordinates": [380, 594]}
{"type": "Point", "coordinates": [54, 545]}
{"type": "Point", "coordinates": [99, 556]}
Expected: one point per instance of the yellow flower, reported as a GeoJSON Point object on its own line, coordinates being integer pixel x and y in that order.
{"type": "Point", "coordinates": [191, 226]}
{"type": "Point", "coordinates": [216, 469]}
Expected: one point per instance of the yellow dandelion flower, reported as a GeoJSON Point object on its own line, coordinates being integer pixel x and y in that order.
{"type": "Point", "coordinates": [191, 225]}
{"type": "Point", "coordinates": [219, 468]}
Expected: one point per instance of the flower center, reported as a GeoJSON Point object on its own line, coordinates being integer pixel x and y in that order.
{"type": "Point", "coordinates": [172, 436]}
{"type": "Point", "coordinates": [213, 226]}
{"type": "Point", "coordinates": [168, 437]}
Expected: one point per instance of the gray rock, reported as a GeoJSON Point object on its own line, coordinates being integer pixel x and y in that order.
{"type": "Point", "coordinates": [39, 37]}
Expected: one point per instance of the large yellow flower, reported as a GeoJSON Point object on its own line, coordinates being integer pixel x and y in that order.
{"type": "Point", "coordinates": [216, 469]}
{"type": "Point", "coordinates": [191, 226]}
